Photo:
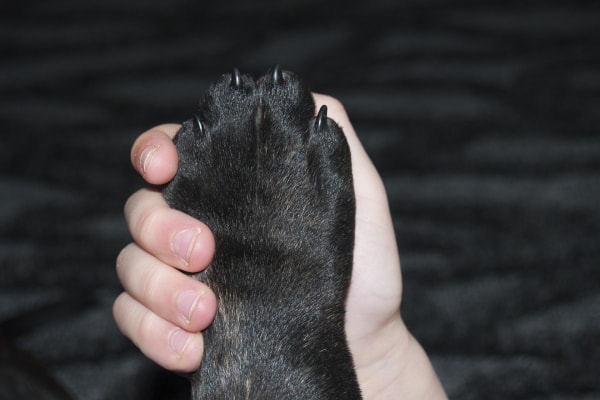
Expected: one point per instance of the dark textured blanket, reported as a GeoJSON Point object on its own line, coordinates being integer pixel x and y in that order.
{"type": "Point", "coordinates": [482, 117]}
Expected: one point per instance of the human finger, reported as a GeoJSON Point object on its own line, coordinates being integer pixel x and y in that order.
{"type": "Point", "coordinates": [153, 154]}
{"type": "Point", "coordinates": [170, 235]}
{"type": "Point", "coordinates": [166, 344]}
{"type": "Point", "coordinates": [170, 294]}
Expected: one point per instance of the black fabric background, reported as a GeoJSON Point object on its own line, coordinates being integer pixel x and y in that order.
{"type": "Point", "coordinates": [482, 117]}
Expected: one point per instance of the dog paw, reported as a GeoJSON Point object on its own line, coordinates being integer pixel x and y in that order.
{"type": "Point", "coordinates": [271, 176]}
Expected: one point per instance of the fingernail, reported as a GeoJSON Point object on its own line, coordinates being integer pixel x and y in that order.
{"type": "Point", "coordinates": [179, 340]}
{"type": "Point", "coordinates": [186, 303]}
{"type": "Point", "coordinates": [146, 157]}
{"type": "Point", "coordinates": [183, 243]}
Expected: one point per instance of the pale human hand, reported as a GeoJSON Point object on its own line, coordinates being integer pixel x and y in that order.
{"type": "Point", "coordinates": [162, 309]}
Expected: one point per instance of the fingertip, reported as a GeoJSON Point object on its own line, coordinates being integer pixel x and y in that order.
{"type": "Point", "coordinates": [203, 314]}
{"type": "Point", "coordinates": [187, 351]}
{"type": "Point", "coordinates": [166, 344]}
{"type": "Point", "coordinates": [170, 235]}
{"type": "Point", "coordinates": [202, 251]}
{"type": "Point", "coordinates": [117, 311]}
{"type": "Point", "coordinates": [189, 360]}
{"type": "Point", "coordinates": [154, 155]}
{"type": "Point", "coordinates": [191, 244]}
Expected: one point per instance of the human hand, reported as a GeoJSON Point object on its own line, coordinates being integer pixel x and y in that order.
{"type": "Point", "coordinates": [163, 310]}
{"type": "Point", "coordinates": [388, 361]}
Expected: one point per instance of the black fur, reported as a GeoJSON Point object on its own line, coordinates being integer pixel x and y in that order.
{"type": "Point", "coordinates": [274, 184]}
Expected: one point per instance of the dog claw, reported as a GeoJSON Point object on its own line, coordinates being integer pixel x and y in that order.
{"type": "Point", "coordinates": [321, 119]}
{"type": "Point", "coordinates": [198, 125]}
{"type": "Point", "coordinates": [236, 79]}
{"type": "Point", "coordinates": [276, 74]}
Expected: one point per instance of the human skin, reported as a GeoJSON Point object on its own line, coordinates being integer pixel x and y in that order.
{"type": "Point", "coordinates": [163, 311]}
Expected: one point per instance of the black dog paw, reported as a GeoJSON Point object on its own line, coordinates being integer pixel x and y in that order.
{"type": "Point", "coordinates": [273, 182]}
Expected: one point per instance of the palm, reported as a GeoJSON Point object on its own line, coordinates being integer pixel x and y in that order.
{"type": "Point", "coordinates": [376, 288]}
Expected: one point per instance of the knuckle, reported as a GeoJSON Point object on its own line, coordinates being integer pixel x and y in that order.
{"type": "Point", "coordinates": [129, 206]}
{"type": "Point", "coordinates": [126, 315]}
{"type": "Point", "coordinates": [145, 224]}
{"type": "Point", "coordinates": [150, 279]}
{"type": "Point", "coordinates": [122, 257]}
{"type": "Point", "coordinates": [146, 327]}
{"type": "Point", "coordinates": [118, 307]}
{"type": "Point", "coordinates": [140, 215]}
